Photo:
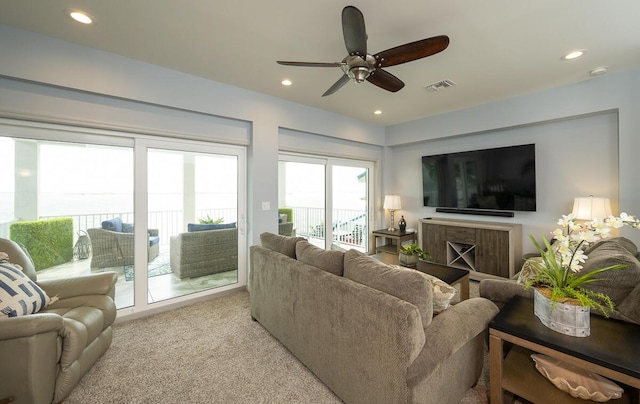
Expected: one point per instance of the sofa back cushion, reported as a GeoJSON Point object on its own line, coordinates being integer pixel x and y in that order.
{"type": "Point", "coordinates": [330, 261]}
{"type": "Point", "coordinates": [409, 286]}
{"type": "Point", "coordinates": [619, 283]}
{"type": "Point", "coordinates": [282, 244]}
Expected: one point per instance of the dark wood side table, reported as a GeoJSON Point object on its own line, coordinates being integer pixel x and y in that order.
{"type": "Point", "coordinates": [612, 350]}
{"type": "Point", "coordinates": [450, 275]}
{"type": "Point", "coordinates": [392, 240]}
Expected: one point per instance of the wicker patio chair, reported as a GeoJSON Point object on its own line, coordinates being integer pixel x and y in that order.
{"type": "Point", "coordinates": [113, 249]}
{"type": "Point", "coordinates": [204, 252]}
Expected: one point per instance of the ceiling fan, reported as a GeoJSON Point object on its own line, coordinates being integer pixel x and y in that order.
{"type": "Point", "coordinates": [360, 66]}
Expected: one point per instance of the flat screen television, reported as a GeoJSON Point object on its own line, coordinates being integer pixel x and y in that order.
{"type": "Point", "coordinates": [500, 179]}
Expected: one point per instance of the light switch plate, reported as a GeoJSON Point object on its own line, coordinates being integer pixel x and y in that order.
{"type": "Point", "coordinates": [266, 205]}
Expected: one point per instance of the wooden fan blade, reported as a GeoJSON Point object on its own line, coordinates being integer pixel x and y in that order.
{"type": "Point", "coordinates": [337, 85]}
{"type": "Point", "coordinates": [353, 30]}
{"type": "Point", "coordinates": [412, 51]}
{"type": "Point", "coordinates": [311, 64]}
{"type": "Point", "coordinates": [385, 80]}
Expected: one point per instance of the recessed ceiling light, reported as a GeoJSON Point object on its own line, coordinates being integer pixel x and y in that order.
{"type": "Point", "coordinates": [80, 16]}
{"type": "Point", "coordinates": [286, 82]}
{"type": "Point", "coordinates": [377, 112]}
{"type": "Point", "coordinates": [574, 54]}
{"type": "Point", "coordinates": [598, 71]}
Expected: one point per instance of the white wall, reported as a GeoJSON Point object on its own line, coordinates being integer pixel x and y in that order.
{"type": "Point", "coordinates": [45, 79]}
{"type": "Point", "coordinates": [586, 139]}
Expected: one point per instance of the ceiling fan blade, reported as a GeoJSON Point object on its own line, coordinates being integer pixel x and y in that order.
{"type": "Point", "coordinates": [385, 80]}
{"type": "Point", "coordinates": [353, 30]}
{"type": "Point", "coordinates": [311, 64]}
{"type": "Point", "coordinates": [337, 85]}
{"type": "Point", "coordinates": [412, 51]}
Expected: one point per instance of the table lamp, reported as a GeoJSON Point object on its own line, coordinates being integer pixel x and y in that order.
{"type": "Point", "coordinates": [392, 203]}
{"type": "Point", "coordinates": [590, 208]}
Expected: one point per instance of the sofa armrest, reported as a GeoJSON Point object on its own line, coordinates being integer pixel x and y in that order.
{"type": "Point", "coordinates": [449, 331]}
{"type": "Point", "coordinates": [501, 291]}
{"type": "Point", "coordinates": [27, 326]}
{"type": "Point", "coordinates": [93, 284]}
{"type": "Point", "coordinates": [153, 232]}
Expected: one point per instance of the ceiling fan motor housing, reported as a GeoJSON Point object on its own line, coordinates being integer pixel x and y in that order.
{"type": "Point", "coordinates": [358, 67]}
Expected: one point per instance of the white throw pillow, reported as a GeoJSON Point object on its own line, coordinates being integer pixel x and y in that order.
{"type": "Point", "coordinates": [576, 381]}
{"type": "Point", "coordinates": [19, 295]}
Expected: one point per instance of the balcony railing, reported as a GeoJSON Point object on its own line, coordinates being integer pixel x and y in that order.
{"type": "Point", "coordinates": [349, 226]}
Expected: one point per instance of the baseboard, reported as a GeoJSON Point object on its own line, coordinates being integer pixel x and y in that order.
{"type": "Point", "coordinates": [482, 212]}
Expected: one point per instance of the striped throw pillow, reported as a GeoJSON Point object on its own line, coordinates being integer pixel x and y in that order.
{"type": "Point", "coordinates": [19, 295]}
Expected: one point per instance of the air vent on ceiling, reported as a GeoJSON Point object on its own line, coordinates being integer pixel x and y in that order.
{"type": "Point", "coordinates": [440, 85]}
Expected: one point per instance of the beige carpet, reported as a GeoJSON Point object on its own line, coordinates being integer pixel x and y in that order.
{"type": "Point", "coordinates": [209, 352]}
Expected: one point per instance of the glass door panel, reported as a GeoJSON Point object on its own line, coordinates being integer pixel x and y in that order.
{"type": "Point", "coordinates": [350, 207]}
{"type": "Point", "coordinates": [319, 191]}
{"type": "Point", "coordinates": [193, 210]}
{"type": "Point", "coordinates": [302, 195]}
{"type": "Point", "coordinates": [83, 194]}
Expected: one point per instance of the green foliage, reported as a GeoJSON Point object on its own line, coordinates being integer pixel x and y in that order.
{"type": "Point", "coordinates": [566, 284]}
{"type": "Point", "coordinates": [288, 212]}
{"type": "Point", "coordinates": [209, 220]}
{"type": "Point", "coordinates": [49, 242]}
{"type": "Point", "coordinates": [414, 249]}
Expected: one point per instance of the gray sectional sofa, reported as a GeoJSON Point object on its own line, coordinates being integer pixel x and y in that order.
{"type": "Point", "coordinates": [365, 329]}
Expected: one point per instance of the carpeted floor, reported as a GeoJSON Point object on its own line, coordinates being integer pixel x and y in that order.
{"type": "Point", "coordinates": [209, 352]}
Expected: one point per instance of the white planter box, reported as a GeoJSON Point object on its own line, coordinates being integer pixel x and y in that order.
{"type": "Point", "coordinates": [564, 318]}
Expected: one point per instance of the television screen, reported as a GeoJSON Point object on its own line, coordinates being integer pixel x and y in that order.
{"type": "Point", "coordinates": [495, 179]}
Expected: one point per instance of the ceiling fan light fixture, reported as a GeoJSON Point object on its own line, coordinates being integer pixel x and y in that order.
{"type": "Point", "coordinates": [359, 73]}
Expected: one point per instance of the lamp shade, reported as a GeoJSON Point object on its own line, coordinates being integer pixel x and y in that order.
{"type": "Point", "coordinates": [392, 202]}
{"type": "Point", "coordinates": [590, 208]}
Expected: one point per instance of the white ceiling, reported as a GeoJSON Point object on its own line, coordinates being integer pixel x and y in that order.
{"type": "Point", "coordinates": [498, 49]}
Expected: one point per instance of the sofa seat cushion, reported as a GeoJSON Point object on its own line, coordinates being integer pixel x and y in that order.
{"type": "Point", "coordinates": [407, 285]}
{"type": "Point", "coordinates": [327, 260]}
{"type": "Point", "coordinates": [19, 295]}
{"type": "Point", "coordinates": [283, 244]}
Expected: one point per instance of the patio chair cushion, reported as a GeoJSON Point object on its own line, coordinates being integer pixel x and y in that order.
{"type": "Point", "coordinates": [114, 224]}
{"type": "Point", "coordinates": [19, 295]}
{"type": "Point", "coordinates": [191, 227]}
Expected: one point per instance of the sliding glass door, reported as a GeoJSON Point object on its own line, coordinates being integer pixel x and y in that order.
{"type": "Point", "coordinates": [166, 215]}
{"type": "Point", "coordinates": [329, 200]}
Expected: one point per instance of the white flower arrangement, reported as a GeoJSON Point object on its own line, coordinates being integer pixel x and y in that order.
{"type": "Point", "coordinates": [560, 265]}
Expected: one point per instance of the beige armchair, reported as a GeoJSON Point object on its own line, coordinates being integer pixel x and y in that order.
{"type": "Point", "coordinates": [44, 355]}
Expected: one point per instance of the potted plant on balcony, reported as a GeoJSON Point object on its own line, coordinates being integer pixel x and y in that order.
{"type": "Point", "coordinates": [410, 254]}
